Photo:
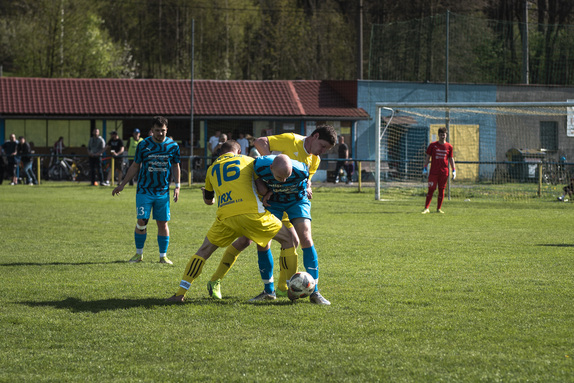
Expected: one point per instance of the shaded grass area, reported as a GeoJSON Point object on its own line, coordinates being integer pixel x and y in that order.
{"type": "Point", "coordinates": [482, 293]}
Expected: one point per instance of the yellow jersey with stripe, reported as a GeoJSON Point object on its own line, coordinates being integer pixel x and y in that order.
{"type": "Point", "coordinates": [293, 145]}
{"type": "Point", "coordinates": [231, 178]}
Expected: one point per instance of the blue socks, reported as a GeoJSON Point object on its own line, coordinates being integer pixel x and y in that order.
{"type": "Point", "coordinates": [311, 263]}
{"type": "Point", "coordinates": [265, 260]}
{"type": "Point", "coordinates": [163, 243]}
{"type": "Point", "coordinates": [140, 242]}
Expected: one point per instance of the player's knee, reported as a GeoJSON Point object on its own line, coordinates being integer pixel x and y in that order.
{"type": "Point", "coordinates": [143, 225]}
{"type": "Point", "coordinates": [242, 243]}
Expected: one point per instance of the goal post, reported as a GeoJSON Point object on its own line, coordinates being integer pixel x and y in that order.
{"type": "Point", "coordinates": [495, 142]}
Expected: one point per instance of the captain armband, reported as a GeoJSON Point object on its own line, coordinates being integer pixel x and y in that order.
{"type": "Point", "coordinates": [209, 195]}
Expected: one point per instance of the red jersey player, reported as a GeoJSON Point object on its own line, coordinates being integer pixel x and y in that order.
{"type": "Point", "coordinates": [441, 154]}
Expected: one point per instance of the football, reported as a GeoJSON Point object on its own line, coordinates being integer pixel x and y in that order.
{"type": "Point", "coordinates": [301, 285]}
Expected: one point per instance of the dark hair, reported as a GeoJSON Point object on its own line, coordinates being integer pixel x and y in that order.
{"type": "Point", "coordinates": [229, 146]}
{"type": "Point", "coordinates": [442, 130]}
{"type": "Point", "coordinates": [326, 133]}
{"type": "Point", "coordinates": [159, 121]}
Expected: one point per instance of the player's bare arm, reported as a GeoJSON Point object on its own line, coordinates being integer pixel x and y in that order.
{"type": "Point", "coordinates": [262, 146]}
{"type": "Point", "coordinates": [263, 190]}
{"type": "Point", "coordinates": [132, 171]}
{"type": "Point", "coordinates": [177, 176]}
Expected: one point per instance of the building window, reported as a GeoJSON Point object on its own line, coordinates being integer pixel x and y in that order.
{"type": "Point", "coordinates": [549, 135]}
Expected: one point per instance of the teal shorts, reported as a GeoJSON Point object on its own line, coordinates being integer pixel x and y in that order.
{"type": "Point", "coordinates": [295, 209]}
{"type": "Point", "coordinates": [158, 203]}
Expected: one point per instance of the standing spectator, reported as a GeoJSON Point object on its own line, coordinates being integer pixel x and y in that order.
{"type": "Point", "coordinates": [11, 150]}
{"type": "Point", "coordinates": [243, 143]}
{"type": "Point", "coordinates": [347, 165]}
{"type": "Point", "coordinates": [24, 151]}
{"type": "Point", "coordinates": [116, 146]}
{"type": "Point", "coordinates": [96, 147]}
{"type": "Point", "coordinates": [213, 142]}
{"type": "Point", "coordinates": [59, 148]}
{"type": "Point", "coordinates": [133, 143]}
{"type": "Point", "coordinates": [568, 189]}
{"type": "Point", "coordinates": [157, 158]}
{"type": "Point", "coordinates": [217, 149]}
{"type": "Point", "coordinates": [440, 153]}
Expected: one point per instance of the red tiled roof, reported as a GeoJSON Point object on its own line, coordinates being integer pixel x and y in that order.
{"type": "Point", "coordinates": [46, 97]}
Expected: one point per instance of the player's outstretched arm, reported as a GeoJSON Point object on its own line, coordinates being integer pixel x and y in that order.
{"type": "Point", "coordinates": [132, 171]}
{"type": "Point", "coordinates": [262, 146]}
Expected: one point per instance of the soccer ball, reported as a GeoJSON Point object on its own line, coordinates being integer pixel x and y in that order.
{"type": "Point", "coordinates": [301, 285]}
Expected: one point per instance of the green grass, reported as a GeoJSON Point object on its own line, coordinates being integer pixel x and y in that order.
{"type": "Point", "coordinates": [481, 294]}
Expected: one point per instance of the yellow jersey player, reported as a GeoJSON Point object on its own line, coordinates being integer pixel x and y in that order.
{"type": "Point", "coordinates": [239, 213]}
{"type": "Point", "coordinates": [305, 149]}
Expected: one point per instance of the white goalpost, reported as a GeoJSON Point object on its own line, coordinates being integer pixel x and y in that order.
{"type": "Point", "coordinates": [495, 142]}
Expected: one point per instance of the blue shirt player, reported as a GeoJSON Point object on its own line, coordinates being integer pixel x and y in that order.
{"type": "Point", "coordinates": [157, 158]}
{"type": "Point", "coordinates": [285, 182]}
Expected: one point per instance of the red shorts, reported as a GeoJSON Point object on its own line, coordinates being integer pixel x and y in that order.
{"type": "Point", "coordinates": [439, 180]}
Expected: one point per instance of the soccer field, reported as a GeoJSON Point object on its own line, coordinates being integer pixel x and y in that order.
{"type": "Point", "coordinates": [482, 293]}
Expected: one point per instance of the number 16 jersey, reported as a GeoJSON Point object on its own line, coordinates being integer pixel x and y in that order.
{"type": "Point", "coordinates": [231, 178]}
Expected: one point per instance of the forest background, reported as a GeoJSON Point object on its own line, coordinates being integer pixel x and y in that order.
{"type": "Point", "coordinates": [284, 39]}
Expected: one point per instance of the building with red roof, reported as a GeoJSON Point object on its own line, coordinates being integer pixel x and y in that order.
{"type": "Point", "coordinates": [44, 109]}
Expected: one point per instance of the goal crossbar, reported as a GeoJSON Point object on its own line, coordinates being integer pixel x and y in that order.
{"type": "Point", "coordinates": [476, 105]}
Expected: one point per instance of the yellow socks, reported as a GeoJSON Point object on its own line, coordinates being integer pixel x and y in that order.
{"type": "Point", "coordinates": [228, 259]}
{"type": "Point", "coordinates": [192, 271]}
{"type": "Point", "coordinates": [287, 267]}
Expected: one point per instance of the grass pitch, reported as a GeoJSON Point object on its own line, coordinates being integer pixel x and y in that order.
{"type": "Point", "coordinates": [481, 294]}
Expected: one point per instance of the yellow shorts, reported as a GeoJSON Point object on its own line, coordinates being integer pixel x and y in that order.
{"type": "Point", "coordinates": [260, 228]}
{"type": "Point", "coordinates": [286, 221]}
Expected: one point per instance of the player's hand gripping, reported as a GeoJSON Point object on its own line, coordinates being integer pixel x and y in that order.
{"type": "Point", "coordinates": [453, 174]}
{"type": "Point", "coordinates": [266, 198]}
{"type": "Point", "coordinates": [117, 190]}
{"type": "Point", "coordinates": [425, 171]}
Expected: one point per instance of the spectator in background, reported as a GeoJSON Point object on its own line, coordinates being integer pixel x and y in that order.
{"type": "Point", "coordinates": [96, 146]}
{"type": "Point", "coordinates": [217, 148]}
{"type": "Point", "coordinates": [133, 143]}
{"type": "Point", "coordinates": [24, 151]}
{"type": "Point", "coordinates": [347, 165]}
{"type": "Point", "coordinates": [116, 146]}
{"type": "Point", "coordinates": [11, 150]}
{"type": "Point", "coordinates": [59, 147]}
{"type": "Point", "coordinates": [213, 142]}
{"type": "Point", "coordinates": [568, 189]}
{"type": "Point", "coordinates": [243, 143]}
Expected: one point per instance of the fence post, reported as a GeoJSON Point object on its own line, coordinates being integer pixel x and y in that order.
{"type": "Point", "coordinates": [39, 169]}
{"type": "Point", "coordinates": [359, 176]}
{"type": "Point", "coordinates": [189, 174]}
{"type": "Point", "coordinates": [539, 179]}
{"type": "Point", "coordinates": [113, 165]}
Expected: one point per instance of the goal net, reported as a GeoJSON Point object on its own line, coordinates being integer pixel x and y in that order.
{"type": "Point", "coordinates": [501, 150]}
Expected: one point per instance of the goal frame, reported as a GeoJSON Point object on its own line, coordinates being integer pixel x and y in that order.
{"type": "Point", "coordinates": [447, 106]}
